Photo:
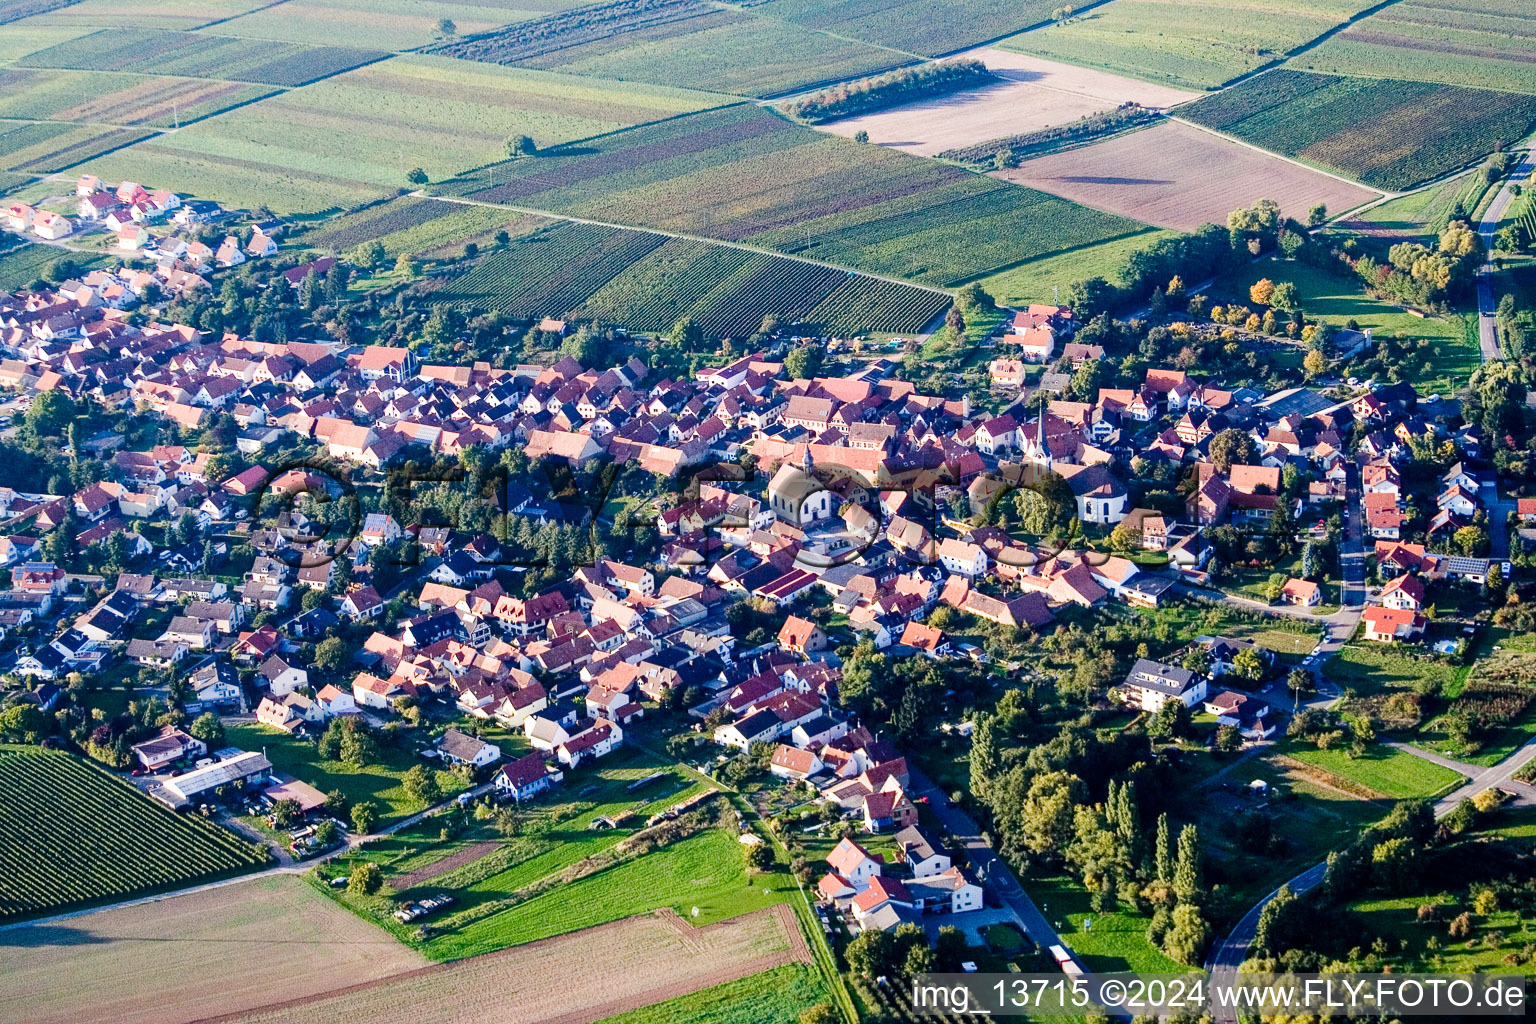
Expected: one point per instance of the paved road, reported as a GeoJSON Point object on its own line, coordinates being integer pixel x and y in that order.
{"type": "Point", "coordinates": [1487, 301]}
{"type": "Point", "coordinates": [1233, 950]}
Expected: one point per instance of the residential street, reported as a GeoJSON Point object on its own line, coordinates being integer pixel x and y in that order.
{"type": "Point", "coordinates": [1487, 302]}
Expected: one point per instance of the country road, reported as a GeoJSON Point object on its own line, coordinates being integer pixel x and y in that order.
{"type": "Point", "coordinates": [1487, 301]}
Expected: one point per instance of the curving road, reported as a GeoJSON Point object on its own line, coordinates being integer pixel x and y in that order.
{"type": "Point", "coordinates": [1487, 301]}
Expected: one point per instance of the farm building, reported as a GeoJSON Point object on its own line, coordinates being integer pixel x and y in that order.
{"type": "Point", "coordinates": [247, 768]}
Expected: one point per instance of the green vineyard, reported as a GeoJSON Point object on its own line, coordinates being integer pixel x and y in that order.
{"type": "Point", "coordinates": [72, 835]}
{"type": "Point", "coordinates": [646, 282]}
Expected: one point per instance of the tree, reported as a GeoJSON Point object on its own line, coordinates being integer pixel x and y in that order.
{"type": "Point", "coordinates": [1248, 664]}
{"type": "Point", "coordinates": [1471, 541]}
{"type": "Point", "coordinates": [1162, 861]}
{"type": "Point", "coordinates": [1188, 874]}
{"type": "Point", "coordinates": [861, 136]}
{"type": "Point", "coordinates": [23, 722]}
{"type": "Point", "coordinates": [406, 265]}
{"type": "Point", "coordinates": [1261, 291]}
{"type": "Point", "coordinates": [1048, 808]}
{"type": "Point", "coordinates": [326, 834]}
{"type": "Point", "coordinates": [759, 857]}
{"type": "Point", "coordinates": [821, 1013]}
{"type": "Point", "coordinates": [420, 784]}
{"type": "Point", "coordinates": [1317, 216]}
{"type": "Point", "coordinates": [370, 255]}
{"type": "Point", "coordinates": [1285, 297]}
{"type": "Point", "coordinates": [870, 954]}
{"type": "Point", "coordinates": [445, 28]}
{"type": "Point", "coordinates": [209, 729]}
{"type": "Point", "coordinates": [365, 879]}
{"type": "Point", "coordinates": [416, 176]}
{"type": "Point", "coordinates": [1187, 937]}
{"type": "Point", "coordinates": [1231, 447]}
{"type": "Point", "coordinates": [331, 654]}
{"type": "Point", "coordinates": [286, 812]}
{"type": "Point", "coordinates": [1228, 739]}
{"type": "Point", "coordinates": [803, 362]}
{"type": "Point", "coordinates": [337, 804]}
{"type": "Point", "coordinates": [364, 817]}
{"type": "Point", "coordinates": [522, 145]}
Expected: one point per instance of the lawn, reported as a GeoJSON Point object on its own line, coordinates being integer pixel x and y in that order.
{"type": "Point", "coordinates": [1046, 279]}
{"type": "Point", "coordinates": [1387, 771]}
{"type": "Point", "coordinates": [1336, 299]}
{"type": "Point", "coordinates": [772, 997]}
{"type": "Point", "coordinates": [379, 783]}
{"type": "Point", "coordinates": [1309, 816]}
{"type": "Point", "coordinates": [1105, 942]}
{"type": "Point", "coordinates": [702, 877]}
{"type": "Point", "coordinates": [1369, 670]}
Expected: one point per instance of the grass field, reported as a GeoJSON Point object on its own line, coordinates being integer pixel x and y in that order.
{"type": "Point", "coordinates": [1371, 669]}
{"type": "Point", "coordinates": [1483, 43]}
{"type": "Point", "coordinates": [18, 41]}
{"type": "Point", "coordinates": [114, 99]}
{"type": "Point", "coordinates": [1191, 45]}
{"type": "Point", "coordinates": [1112, 942]}
{"type": "Point", "coordinates": [741, 173]}
{"type": "Point", "coordinates": [200, 55]}
{"type": "Point", "coordinates": [47, 147]}
{"type": "Point", "coordinates": [683, 43]}
{"type": "Point", "coordinates": [112, 965]}
{"type": "Point", "coordinates": [1387, 133]}
{"type": "Point", "coordinates": [379, 783]}
{"type": "Point", "coordinates": [772, 997]}
{"type": "Point", "coordinates": [378, 24]}
{"type": "Point", "coordinates": [1309, 812]}
{"type": "Point", "coordinates": [431, 112]}
{"type": "Point", "coordinates": [706, 871]}
{"type": "Point", "coordinates": [1046, 279]}
{"type": "Point", "coordinates": [1419, 216]}
{"type": "Point", "coordinates": [72, 835]}
{"type": "Point", "coordinates": [1450, 352]}
{"type": "Point", "coordinates": [1387, 771]}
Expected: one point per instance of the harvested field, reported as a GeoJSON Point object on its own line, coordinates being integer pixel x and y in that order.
{"type": "Point", "coordinates": [100, 98]}
{"type": "Point", "coordinates": [1035, 94]}
{"type": "Point", "coordinates": [646, 959]}
{"type": "Point", "coordinates": [168, 962]}
{"type": "Point", "coordinates": [1177, 176]}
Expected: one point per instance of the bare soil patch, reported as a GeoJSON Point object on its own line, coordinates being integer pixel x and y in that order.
{"type": "Point", "coordinates": [1035, 94]}
{"type": "Point", "coordinates": [456, 859]}
{"type": "Point", "coordinates": [230, 948]}
{"type": "Point", "coordinates": [1177, 176]}
{"type": "Point", "coordinates": [575, 978]}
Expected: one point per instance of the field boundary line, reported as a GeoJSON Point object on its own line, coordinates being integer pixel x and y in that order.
{"type": "Point", "coordinates": [935, 289]}
{"type": "Point", "coordinates": [756, 965]}
{"type": "Point", "coordinates": [1385, 194]}
{"type": "Point", "coordinates": [232, 17]}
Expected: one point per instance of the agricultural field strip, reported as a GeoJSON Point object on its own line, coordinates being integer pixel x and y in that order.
{"type": "Point", "coordinates": [676, 234]}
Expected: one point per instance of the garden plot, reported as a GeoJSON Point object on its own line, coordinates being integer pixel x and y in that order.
{"type": "Point", "coordinates": [1034, 94]}
{"type": "Point", "coordinates": [169, 962]}
{"type": "Point", "coordinates": [1177, 176]}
